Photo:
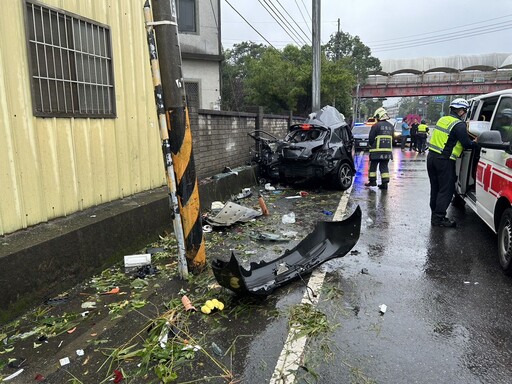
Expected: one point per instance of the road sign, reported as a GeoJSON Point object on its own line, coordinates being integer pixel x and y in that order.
{"type": "Point", "coordinates": [439, 99]}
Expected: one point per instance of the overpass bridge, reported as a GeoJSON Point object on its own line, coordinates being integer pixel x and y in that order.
{"type": "Point", "coordinates": [432, 76]}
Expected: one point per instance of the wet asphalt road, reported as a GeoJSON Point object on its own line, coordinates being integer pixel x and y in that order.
{"type": "Point", "coordinates": [448, 317]}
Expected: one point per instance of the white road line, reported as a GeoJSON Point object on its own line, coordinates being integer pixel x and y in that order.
{"type": "Point", "coordinates": [293, 350]}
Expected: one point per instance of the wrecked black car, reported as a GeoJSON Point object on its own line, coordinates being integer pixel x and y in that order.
{"type": "Point", "coordinates": [321, 148]}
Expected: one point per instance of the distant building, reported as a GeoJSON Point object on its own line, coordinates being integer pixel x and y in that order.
{"type": "Point", "coordinates": [393, 110]}
{"type": "Point", "coordinates": [199, 27]}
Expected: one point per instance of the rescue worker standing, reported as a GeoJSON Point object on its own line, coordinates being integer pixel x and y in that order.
{"type": "Point", "coordinates": [421, 137]}
{"type": "Point", "coordinates": [380, 140]}
{"type": "Point", "coordinates": [448, 140]}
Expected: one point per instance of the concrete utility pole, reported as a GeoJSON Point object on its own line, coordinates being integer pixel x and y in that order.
{"type": "Point", "coordinates": [180, 136]}
{"type": "Point", "coordinates": [164, 136]}
{"type": "Point", "coordinates": [315, 105]}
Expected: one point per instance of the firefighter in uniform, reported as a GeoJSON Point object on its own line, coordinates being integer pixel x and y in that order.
{"type": "Point", "coordinates": [380, 140]}
{"type": "Point", "coordinates": [448, 140]}
{"type": "Point", "coordinates": [421, 136]}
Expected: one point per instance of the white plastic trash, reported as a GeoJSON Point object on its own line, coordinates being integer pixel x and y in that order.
{"type": "Point", "coordinates": [383, 308]}
{"type": "Point", "coordinates": [216, 205]}
{"type": "Point", "coordinates": [64, 361]}
{"type": "Point", "coordinates": [132, 261]}
{"type": "Point", "coordinates": [289, 218]}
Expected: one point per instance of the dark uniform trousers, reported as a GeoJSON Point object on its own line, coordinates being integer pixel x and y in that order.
{"type": "Point", "coordinates": [383, 166]}
{"type": "Point", "coordinates": [441, 193]}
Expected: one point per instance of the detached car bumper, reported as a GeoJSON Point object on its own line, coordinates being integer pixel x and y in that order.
{"type": "Point", "coordinates": [329, 239]}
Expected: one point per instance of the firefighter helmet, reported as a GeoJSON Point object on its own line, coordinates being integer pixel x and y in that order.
{"type": "Point", "coordinates": [381, 114]}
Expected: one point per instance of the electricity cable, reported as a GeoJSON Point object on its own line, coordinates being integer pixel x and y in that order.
{"type": "Point", "coordinates": [296, 38]}
{"type": "Point", "coordinates": [440, 40]}
{"type": "Point", "coordinates": [462, 33]}
{"type": "Point", "coordinates": [249, 24]}
{"type": "Point", "coordinates": [440, 30]}
{"type": "Point", "coordinates": [263, 37]}
{"type": "Point", "coordinates": [308, 38]}
{"type": "Point", "coordinates": [303, 18]}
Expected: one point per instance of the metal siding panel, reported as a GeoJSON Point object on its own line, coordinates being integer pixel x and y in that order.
{"type": "Point", "coordinates": [26, 192]}
{"type": "Point", "coordinates": [98, 149]}
{"type": "Point", "coordinates": [54, 167]}
{"type": "Point", "coordinates": [130, 80]}
{"type": "Point", "coordinates": [140, 63]}
{"type": "Point", "coordinates": [122, 141]}
{"type": "Point", "coordinates": [67, 166]}
{"type": "Point", "coordinates": [111, 161]}
{"type": "Point", "coordinates": [84, 170]}
{"type": "Point", "coordinates": [49, 163]}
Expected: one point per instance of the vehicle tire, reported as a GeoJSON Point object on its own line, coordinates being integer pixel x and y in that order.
{"type": "Point", "coordinates": [344, 177]}
{"type": "Point", "coordinates": [505, 241]}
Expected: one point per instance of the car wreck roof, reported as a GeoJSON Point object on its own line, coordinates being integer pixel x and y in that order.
{"type": "Point", "coordinates": [328, 117]}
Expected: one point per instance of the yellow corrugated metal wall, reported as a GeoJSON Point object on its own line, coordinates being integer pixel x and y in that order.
{"type": "Point", "coordinates": [52, 167]}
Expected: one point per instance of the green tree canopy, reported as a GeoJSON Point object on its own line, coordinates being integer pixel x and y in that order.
{"type": "Point", "coordinates": [355, 55]}
{"type": "Point", "coordinates": [281, 80]}
{"type": "Point", "coordinates": [234, 73]}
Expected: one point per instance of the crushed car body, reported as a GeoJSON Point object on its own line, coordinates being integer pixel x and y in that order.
{"type": "Point", "coordinates": [328, 240]}
{"type": "Point", "coordinates": [320, 148]}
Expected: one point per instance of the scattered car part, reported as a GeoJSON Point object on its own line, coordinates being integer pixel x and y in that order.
{"type": "Point", "coordinates": [265, 236]}
{"type": "Point", "coordinates": [231, 213]}
{"type": "Point", "coordinates": [328, 240]}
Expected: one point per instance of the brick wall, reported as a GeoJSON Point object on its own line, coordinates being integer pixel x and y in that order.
{"type": "Point", "coordinates": [220, 138]}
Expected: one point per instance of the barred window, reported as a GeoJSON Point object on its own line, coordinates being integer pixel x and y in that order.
{"type": "Point", "coordinates": [192, 92]}
{"type": "Point", "coordinates": [186, 15]}
{"type": "Point", "coordinates": [70, 64]}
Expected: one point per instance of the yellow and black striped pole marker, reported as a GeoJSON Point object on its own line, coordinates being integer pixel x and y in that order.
{"type": "Point", "coordinates": [180, 135]}
{"type": "Point", "coordinates": [164, 136]}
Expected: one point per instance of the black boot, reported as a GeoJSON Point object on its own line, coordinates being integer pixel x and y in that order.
{"type": "Point", "coordinates": [437, 221]}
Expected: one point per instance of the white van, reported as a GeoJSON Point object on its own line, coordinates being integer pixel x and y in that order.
{"type": "Point", "coordinates": [484, 177]}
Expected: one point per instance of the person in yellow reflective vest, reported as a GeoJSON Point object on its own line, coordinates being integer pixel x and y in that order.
{"type": "Point", "coordinates": [447, 142]}
{"type": "Point", "coordinates": [421, 137]}
{"type": "Point", "coordinates": [380, 140]}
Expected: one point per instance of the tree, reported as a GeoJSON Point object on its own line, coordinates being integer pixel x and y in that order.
{"type": "Point", "coordinates": [281, 80]}
{"type": "Point", "coordinates": [355, 55]}
{"type": "Point", "coordinates": [234, 73]}
{"type": "Point", "coordinates": [278, 79]}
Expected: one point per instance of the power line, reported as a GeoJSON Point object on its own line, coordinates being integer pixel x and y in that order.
{"type": "Point", "coordinates": [249, 24]}
{"type": "Point", "coordinates": [441, 40]}
{"type": "Point", "coordinates": [269, 43]}
{"type": "Point", "coordinates": [308, 38]}
{"type": "Point", "coordinates": [296, 38]}
{"type": "Point", "coordinates": [461, 33]}
{"type": "Point", "coordinates": [307, 11]}
{"type": "Point", "coordinates": [303, 18]}
{"type": "Point", "coordinates": [441, 30]}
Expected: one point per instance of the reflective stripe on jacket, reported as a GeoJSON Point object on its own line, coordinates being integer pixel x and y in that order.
{"type": "Point", "coordinates": [422, 128]}
{"type": "Point", "coordinates": [440, 136]}
{"type": "Point", "coordinates": [382, 146]}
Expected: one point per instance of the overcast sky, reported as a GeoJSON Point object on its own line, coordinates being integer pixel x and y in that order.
{"type": "Point", "coordinates": [392, 29]}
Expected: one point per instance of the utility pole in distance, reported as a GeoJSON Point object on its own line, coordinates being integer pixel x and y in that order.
{"type": "Point", "coordinates": [315, 94]}
{"type": "Point", "coordinates": [180, 136]}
